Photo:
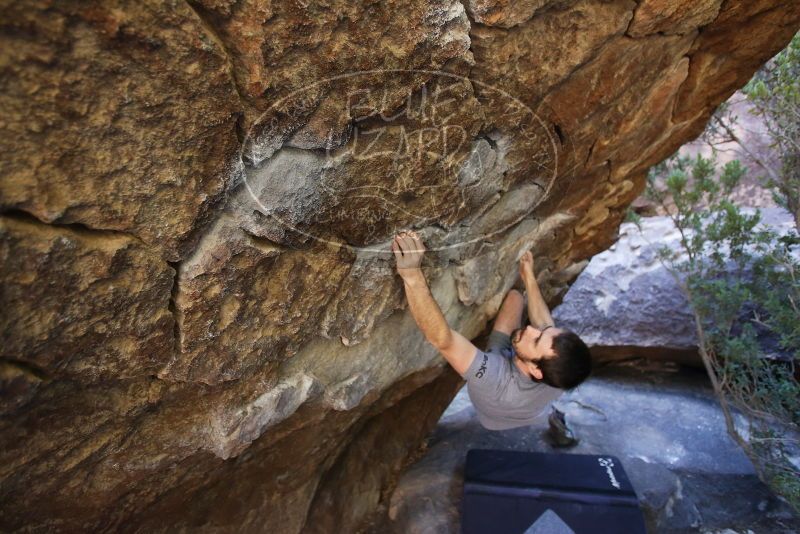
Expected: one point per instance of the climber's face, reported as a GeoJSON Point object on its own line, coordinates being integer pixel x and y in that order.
{"type": "Point", "coordinates": [532, 344]}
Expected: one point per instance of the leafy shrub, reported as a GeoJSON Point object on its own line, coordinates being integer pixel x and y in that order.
{"type": "Point", "coordinates": [774, 96]}
{"type": "Point", "coordinates": [743, 283]}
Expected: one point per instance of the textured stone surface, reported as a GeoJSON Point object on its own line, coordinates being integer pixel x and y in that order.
{"type": "Point", "coordinates": [277, 48]}
{"type": "Point", "coordinates": [198, 339]}
{"type": "Point", "coordinates": [244, 302]}
{"type": "Point", "coordinates": [525, 60]}
{"type": "Point", "coordinates": [730, 40]}
{"type": "Point", "coordinates": [80, 305]}
{"type": "Point", "coordinates": [666, 16]}
{"type": "Point", "coordinates": [117, 115]}
{"type": "Point", "coordinates": [625, 302]}
{"type": "Point", "coordinates": [503, 13]}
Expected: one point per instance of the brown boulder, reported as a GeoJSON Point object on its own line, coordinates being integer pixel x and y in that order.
{"type": "Point", "coordinates": [117, 116]}
{"type": "Point", "coordinates": [81, 305]}
{"type": "Point", "coordinates": [202, 324]}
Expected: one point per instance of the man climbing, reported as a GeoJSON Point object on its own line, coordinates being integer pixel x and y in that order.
{"type": "Point", "coordinates": [522, 370]}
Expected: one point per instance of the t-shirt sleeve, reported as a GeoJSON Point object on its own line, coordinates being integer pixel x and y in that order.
{"type": "Point", "coordinates": [485, 373]}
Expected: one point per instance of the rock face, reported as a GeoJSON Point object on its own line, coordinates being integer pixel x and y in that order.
{"type": "Point", "coordinates": [626, 303]}
{"type": "Point", "coordinates": [201, 322]}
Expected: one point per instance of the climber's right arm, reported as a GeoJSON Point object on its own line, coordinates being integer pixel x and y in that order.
{"type": "Point", "coordinates": [456, 349]}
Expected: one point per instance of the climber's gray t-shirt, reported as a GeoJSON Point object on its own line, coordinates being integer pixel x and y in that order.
{"type": "Point", "coordinates": [503, 396]}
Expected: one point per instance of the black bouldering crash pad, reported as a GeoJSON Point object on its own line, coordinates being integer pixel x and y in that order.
{"type": "Point", "coordinates": [519, 492]}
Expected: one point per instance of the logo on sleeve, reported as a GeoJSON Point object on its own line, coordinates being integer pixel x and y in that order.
{"type": "Point", "coordinates": [482, 369]}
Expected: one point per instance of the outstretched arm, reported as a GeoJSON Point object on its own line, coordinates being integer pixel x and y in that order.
{"type": "Point", "coordinates": [538, 312]}
{"type": "Point", "coordinates": [456, 349]}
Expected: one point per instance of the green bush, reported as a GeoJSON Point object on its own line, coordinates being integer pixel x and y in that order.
{"type": "Point", "coordinates": [743, 283]}
{"type": "Point", "coordinates": [773, 95]}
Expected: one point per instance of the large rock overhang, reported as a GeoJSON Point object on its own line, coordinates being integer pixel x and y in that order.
{"type": "Point", "coordinates": [201, 323]}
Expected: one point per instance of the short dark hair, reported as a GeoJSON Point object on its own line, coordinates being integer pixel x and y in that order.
{"type": "Point", "coordinates": [571, 364]}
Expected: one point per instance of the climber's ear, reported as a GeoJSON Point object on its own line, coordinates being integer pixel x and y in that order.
{"type": "Point", "coordinates": [535, 371]}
